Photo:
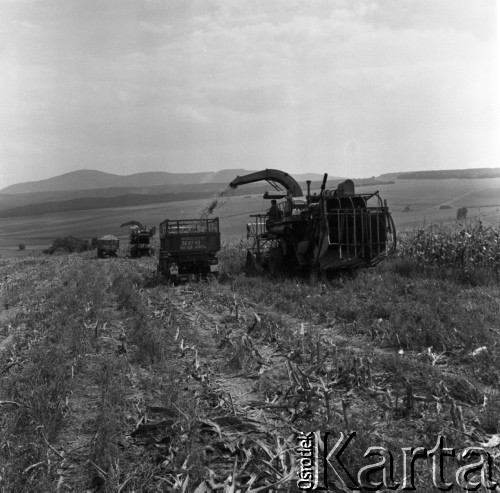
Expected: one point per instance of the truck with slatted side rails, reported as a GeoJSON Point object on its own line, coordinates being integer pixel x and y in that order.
{"type": "Point", "coordinates": [188, 249]}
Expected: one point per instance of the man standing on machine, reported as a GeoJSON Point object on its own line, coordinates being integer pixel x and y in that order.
{"type": "Point", "coordinates": [273, 214]}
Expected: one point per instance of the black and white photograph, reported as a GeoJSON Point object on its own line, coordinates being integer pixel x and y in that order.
{"type": "Point", "coordinates": [249, 246]}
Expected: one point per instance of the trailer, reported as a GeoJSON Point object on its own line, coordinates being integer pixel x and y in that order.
{"type": "Point", "coordinates": [188, 249]}
{"type": "Point", "coordinates": [107, 246]}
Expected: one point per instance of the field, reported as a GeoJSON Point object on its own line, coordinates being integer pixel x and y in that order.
{"type": "Point", "coordinates": [423, 197]}
{"type": "Point", "coordinates": [111, 380]}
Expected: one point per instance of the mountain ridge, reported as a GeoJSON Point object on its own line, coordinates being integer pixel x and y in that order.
{"type": "Point", "coordinates": [95, 179]}
{"type": "Point", "coordinates": [85, 179]}
{"type": "Point", "coordinates": [443, 174]}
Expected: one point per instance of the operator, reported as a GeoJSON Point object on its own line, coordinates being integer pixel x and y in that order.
{"type": "Point", "coordinates": [273, 214]}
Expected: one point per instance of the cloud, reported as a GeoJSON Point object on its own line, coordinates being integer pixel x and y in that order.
{"type": "Point", "coordinates": [479, 18]}
{"type": "Point", "coordinates": [205, 82]}
{"type": "Point", "coordinates": [191, 115]}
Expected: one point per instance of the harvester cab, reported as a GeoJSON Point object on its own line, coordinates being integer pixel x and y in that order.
{"type": "Point", "coordinates": [321, 233]}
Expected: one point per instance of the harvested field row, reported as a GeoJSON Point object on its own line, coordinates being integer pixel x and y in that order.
{"type": "Point", "coordinates": [111, 381]}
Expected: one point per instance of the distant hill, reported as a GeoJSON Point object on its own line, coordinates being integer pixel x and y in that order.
{"type": "Point", "coordinates": [372, 182]}
{"type": "Point", "coordinates": [9, 201]}
{"type": "Point", "coordinates": [114, 199]}
{"type": "Point", "coordinates": [93, 179]}
{"type": "Point", "coordinates": [82, 180]}
{"type": "Point", "coordinates": [92, 189]}
{"type": "Point", "coordinates": [466, 174]}
{"type": "Point", "coordinates": [90, 203]}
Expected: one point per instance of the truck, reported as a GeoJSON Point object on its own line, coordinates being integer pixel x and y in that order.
{"type": "Point", "coordinates": [188, 249]}
{"type": "Point", "coordinates": [107, 246]}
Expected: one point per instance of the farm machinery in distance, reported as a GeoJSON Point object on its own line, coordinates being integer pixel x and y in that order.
{"type": "Point", "coordinates": [107, 246]}
{"type": "Point", "coordinates": [139, 239]}
{"type": "Point", "coordinates": [319, 234]}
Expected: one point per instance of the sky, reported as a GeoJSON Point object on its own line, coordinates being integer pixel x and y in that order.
{"type": "Point", "coordinates": [349, 87]}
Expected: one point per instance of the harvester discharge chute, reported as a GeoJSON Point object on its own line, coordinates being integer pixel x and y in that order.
{"type": "Point", "coordinates": [274, 177]}
{"type": "Point", "coordinates": [133, 223]}
{"type": "Point", "coordinates": [335, 230]}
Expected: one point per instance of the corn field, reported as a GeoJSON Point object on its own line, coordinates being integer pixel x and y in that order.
{"type": "Point", "coordinates": [465, 248]}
